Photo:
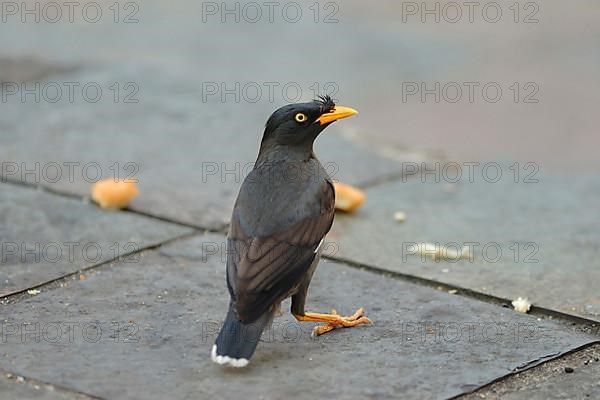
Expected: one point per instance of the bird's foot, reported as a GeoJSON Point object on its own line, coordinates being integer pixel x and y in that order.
{"type": "Point", "coordinates": [334, 320]}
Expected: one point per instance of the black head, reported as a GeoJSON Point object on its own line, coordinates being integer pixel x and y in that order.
{"type": "Point", "coordinates": [298, 125]}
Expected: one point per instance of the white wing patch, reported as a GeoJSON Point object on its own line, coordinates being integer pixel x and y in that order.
{"type": "Point", "coordinates": [319, 246]}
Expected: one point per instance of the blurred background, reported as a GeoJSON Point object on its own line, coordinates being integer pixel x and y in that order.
{"type": "Point", "coordinates": [544, 57]}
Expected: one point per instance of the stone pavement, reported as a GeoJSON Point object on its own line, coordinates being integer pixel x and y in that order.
{"type": "Point", "coordinates": [526, 239]}
{"type": "Point", "coordinates": [139, 320]}
{"type": "Point", "coordinates": [148, 326]}
{"type": "Point", "coordinates": [126, 304]}
{"type": "Point", "coordinates": [575, 376]}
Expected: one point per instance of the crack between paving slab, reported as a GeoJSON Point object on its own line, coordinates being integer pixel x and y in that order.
{"type": "Point", "coordinates": [10, 295]}
{"type": "Point", "coordinates": [528, 366]}
{"type": "Point", "coordinates": [592, 326]}
{"type": "Point", "coordinates": [221, 228]}
{"type": "Point", "coordinates": [61, 389]}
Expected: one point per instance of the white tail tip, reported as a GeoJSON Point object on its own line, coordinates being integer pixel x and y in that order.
{"type": "Point", "coordinates": [226, 360]}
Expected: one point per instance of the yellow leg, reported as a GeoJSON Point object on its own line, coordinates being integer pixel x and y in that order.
{"type": "Point", "coordinates": [333, 320]}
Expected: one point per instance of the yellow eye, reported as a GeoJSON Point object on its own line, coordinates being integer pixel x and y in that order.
{"type": "Point", "coordinates": [300, 117]}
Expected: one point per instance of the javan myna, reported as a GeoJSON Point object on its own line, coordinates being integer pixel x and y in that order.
{"type": "Point", "coordinates": [284, 209]}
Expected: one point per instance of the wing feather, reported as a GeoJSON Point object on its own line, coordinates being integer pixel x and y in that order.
{"type": "Point", "coordinates": [263, 270]}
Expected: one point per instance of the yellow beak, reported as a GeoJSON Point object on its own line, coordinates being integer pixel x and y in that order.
{"type": "Point", "coordinates": [338, 112]}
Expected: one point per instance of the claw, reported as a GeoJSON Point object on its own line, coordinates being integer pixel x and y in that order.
{"type": "Point", "coordinates": [357, 318]}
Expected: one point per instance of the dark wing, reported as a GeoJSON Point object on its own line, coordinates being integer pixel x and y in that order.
{"type": "Point", "coordinates": [261, 270]}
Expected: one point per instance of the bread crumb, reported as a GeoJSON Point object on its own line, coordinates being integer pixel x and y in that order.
{"type": "Point", "coordinates": [109, 193]}
{"type": "Point", "coordinates": [521, 305]}
{"type": "Point", "coordinates": [348, 198]}
{"type": "Point", "coordinates": [400, 216]}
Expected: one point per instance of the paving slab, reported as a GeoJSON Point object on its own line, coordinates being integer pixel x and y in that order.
{"type": "Point", "coordinates": [574, 376]}
{"type": "Point", "coordinates": [45, 236]}
{"type": "Point", "coordinates": [146, 330]}
{"type": "Point", "coordinates": [17, 387]}
{"type": "Point", "coordinates": [22, 69]}
{"type": "Point", "coordinates": [190, 156]}
{"type": "Point", "coordinates": [534, 240]}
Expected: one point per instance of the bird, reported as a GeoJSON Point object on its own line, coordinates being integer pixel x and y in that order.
{"type": "Point", "coordinates": [283, 211]}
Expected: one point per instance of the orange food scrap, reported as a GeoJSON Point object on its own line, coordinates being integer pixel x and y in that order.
{"type": "Point", "coordinates": [109, 193]}
{"type": "Point", "coordinates": [348, 198]}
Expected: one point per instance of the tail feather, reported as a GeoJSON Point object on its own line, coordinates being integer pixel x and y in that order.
{"type": "Point", "coordinates": [237, 341]}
